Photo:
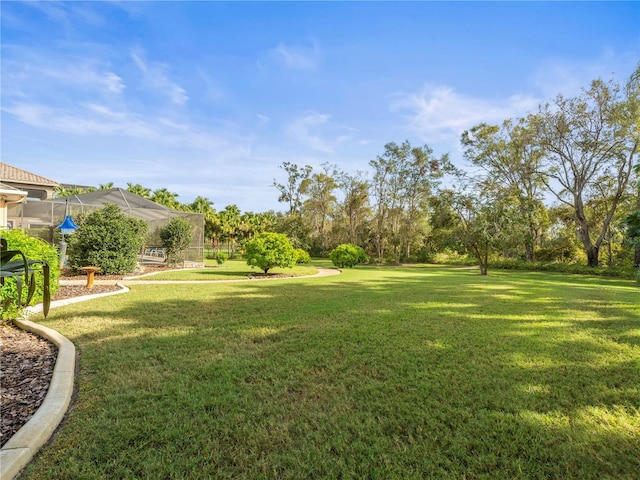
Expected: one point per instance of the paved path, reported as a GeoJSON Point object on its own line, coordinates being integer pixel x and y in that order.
{"type": "Point", "coordinates": [144, 279]}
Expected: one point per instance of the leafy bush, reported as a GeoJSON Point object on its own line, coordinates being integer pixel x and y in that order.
{"type": "Point", "coordinates": [270, 250]}
{"type": "Point", "coordinates": [561, 267]}
{"type": "Point", "coordinates": [451, 257]}
{"type": "Point", "coordinates": [176, 237]}
{"type": "Point", "coordinates": [303, 256]}
{"type": "Point", "coordinates": [221, 257]}
{"type": "Point", "coordinates": [107, 239]}
{"type": "Point", "coordinates": [347, 255]}
{"type": "Point", "coordinates": [33, 249]}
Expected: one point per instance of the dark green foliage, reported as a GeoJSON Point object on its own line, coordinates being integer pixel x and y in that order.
{"type": "Point", "coordinates": [270, 250]}
{"type": "Point", "coordinates": [107, 239]}
{"type": "Point", "coordinates": [347, 255]}
{"type": "Point", "coordinates": [29, 263]}
{"type": "Point", "coordinates": [303, 256]}
{"type": "Point", "coordinates": [176, 237]}
{"type": "Point", "coordinates": [221, 257]}
{"type": "Point", "coordinates": [563, 267]}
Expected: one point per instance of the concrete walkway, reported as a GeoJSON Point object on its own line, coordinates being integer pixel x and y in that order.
{"type": "Point", "coordinates": [147, 278]}
{"type": "Point", "coordinates": [25, 443]}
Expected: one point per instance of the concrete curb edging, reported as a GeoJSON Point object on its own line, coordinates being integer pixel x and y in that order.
{"type": "Point", "coordinates": [21, 447]}
{"type": "Point", "coordinates": [25, 443]}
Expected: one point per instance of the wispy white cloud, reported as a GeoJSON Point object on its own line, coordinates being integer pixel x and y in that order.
{"type": "Point", "coordinates": [35, 74]}
{"type": "Point", "coordinates": [297, 57]}
{"type": "Point", "coordinates": [90, 119]}
{"type": "Point", "coordinates": [568, 76]}
{"type": "Point", "coordinates": [315, 130]}
{"type": "Point", "coordinates": [262, 120]}
{"type": "Point", "coordinates": [156, 77]}
{"type": "Point", "coordinates": [438, 113]}
{"type": "Point", "coordinates": [87, 74]}
{"type": "Point", "coordinates": [212, 91]}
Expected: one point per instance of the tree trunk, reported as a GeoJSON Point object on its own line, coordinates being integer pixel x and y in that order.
{"type": "Point", "coordinates": [483, 259]}
{"type": "Point", "coordinates": [592, 256]}
{"type": "Point", "coordinates": [636, 260]}
{"type": "Point", "coordinates": [591, 249]}
{"type": "Point", "coordinates": [529, 252]}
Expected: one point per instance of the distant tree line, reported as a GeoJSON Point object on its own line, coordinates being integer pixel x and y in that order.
{"type": "Point", "coordinates": [413, 206]}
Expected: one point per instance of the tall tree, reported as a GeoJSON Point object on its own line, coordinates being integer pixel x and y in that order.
{"type": "Point", "coordinates": [486, 219]}
{"type": "Point", "coordinates": [166, 198]}
{"type": "Point", "coordinates": [403, 180]}
{"type": "Point", "coordinates": [61, 191]}
{"type": "Point", "coordinates": [320, 204]}
{"type": "Point", "coordinates": [589, 138]}
{"type": "Point", "coordinates": [632, 220]}
{"type": "Point", "coordinates": [200, 205]}
{"type": "Point", "coordinates": [355, 204]}
{"type": "Point", "coordinates": [509, 157]}
{"type": "Point", "coordinates": [292, 190]}
{"type": "Point", "coordinates": [230, 225]}
{"type": "Point", "coordinates": [139, 190]}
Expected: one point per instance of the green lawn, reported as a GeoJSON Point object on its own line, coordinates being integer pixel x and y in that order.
{"type": "Point", "coordinates": [417, 372]}
{"type": "Point", "coordinates": [230, 270]}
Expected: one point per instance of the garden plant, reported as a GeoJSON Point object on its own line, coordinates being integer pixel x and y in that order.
{"type": "Point", "coordinates": [28, 273]}
{"type": "Point", "coordinates": [107, 239]}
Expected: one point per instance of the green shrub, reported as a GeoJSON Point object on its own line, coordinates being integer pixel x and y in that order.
{"type": "Point", "coordinates": [221, 257]}
{"type": "Point", "coordinates": [347, 255]}
{"type": "Point", "coordinates": [302, 256]}
{"type": "Point", "coordinates": [451, 257]}
{"type": "Point", "coordinates": [107, 239]}
{"type": "Point", "coordinates": [562, 267]}
{"type": "Point", "coordinates": [33, 249]}
{"type": "Point", "coordinates": [270, 250]}
{"type": "Point", "coordinates": [176, 237]}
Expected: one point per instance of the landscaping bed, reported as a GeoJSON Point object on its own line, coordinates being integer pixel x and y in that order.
{"type": "Point", "coordinates": [26, 366]}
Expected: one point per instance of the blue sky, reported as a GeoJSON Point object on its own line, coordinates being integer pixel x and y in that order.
{"type": "Point", "coordinates": [209, 98]}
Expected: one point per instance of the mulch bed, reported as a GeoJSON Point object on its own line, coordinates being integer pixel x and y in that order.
{"type": "Point", "coordinates": [26, 367]}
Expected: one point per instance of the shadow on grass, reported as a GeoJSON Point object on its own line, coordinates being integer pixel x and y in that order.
{"type": "Point", "coordinates": [376, 373]}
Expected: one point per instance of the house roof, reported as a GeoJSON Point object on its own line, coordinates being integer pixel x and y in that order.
{"type": "Point", "coordinates": [9, 173]}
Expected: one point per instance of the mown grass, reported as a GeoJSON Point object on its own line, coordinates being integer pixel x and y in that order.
{"type": "Point", "coordinates": [230, 270]}
{"type": "Point", "coordinates": [422, 372]}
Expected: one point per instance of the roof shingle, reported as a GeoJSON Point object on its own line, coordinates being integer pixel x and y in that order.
{"type": "Point", "coordinates": [9, 173]}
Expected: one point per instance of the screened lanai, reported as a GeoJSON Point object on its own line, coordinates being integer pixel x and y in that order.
{"type": "Point", "coordinates": [41, 217]}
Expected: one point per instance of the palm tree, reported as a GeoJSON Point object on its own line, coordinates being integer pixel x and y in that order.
{"type": "Point", "coordinates": [139, 190]}
{"type": "Point", "coordinates": [166, 198]}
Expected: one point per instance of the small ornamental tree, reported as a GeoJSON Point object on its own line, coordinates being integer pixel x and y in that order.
{"type": "Point", "coordinates": [303, 256]}
{"type": "Point", "coordinates": [107, 239]}
{"type": "Point", "coordinates": [270, 250]}
{"type": "Point", "coordinates": [221, 257]}
{"type": "Point", "coordinates": [347, 255]}
{"type": "Point", "coordinates": [176, 237]}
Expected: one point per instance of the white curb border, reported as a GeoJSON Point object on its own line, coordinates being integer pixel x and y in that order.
{"type": "Point", "coordinates": [22, 447]}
